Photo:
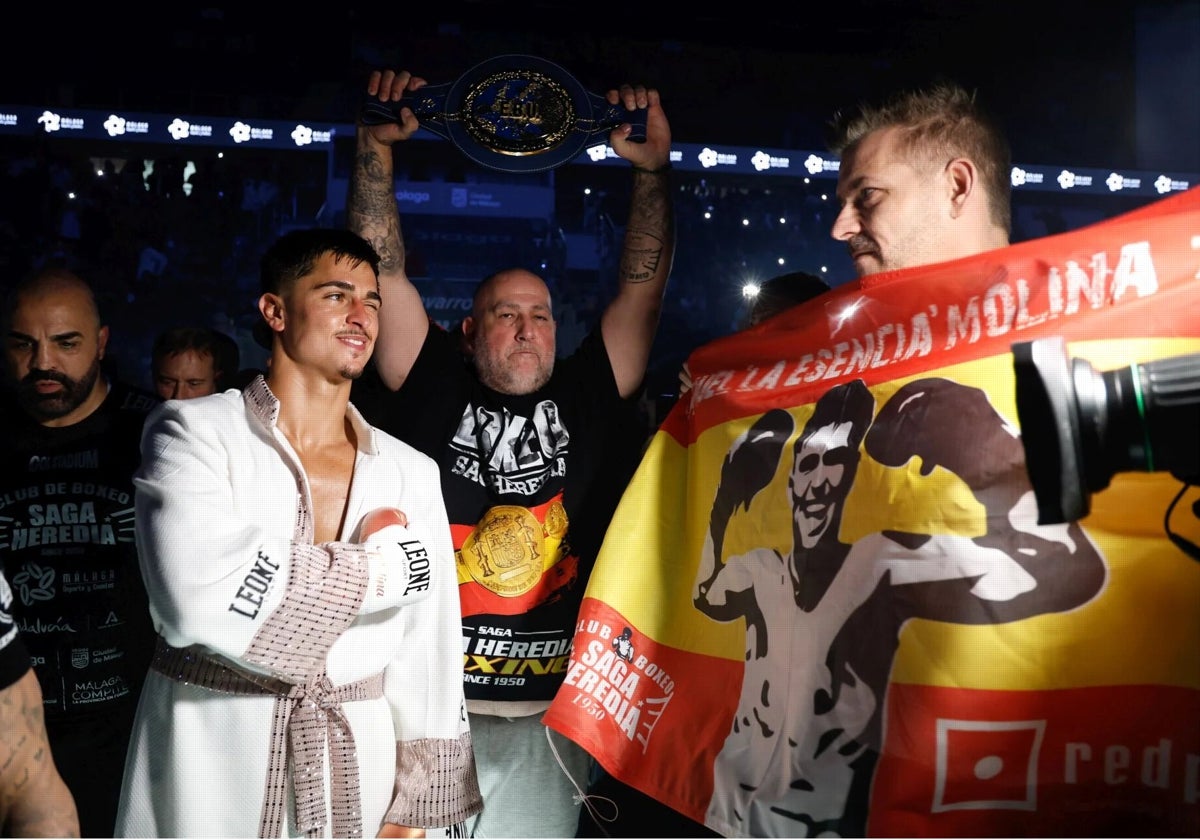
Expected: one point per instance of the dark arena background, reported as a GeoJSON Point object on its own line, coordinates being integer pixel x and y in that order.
{"type": "Point", "coordinates": [161, 148]}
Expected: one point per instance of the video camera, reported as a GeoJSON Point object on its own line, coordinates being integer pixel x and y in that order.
{"type": "Point", "coordinates": [1079, 427]}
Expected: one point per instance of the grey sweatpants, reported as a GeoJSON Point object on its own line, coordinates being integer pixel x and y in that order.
{"type": "Point", "coordinates": [526, 793]}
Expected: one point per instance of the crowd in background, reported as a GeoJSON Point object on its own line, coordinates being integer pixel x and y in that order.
{"type": "Point", "coordinates": [170, 240]}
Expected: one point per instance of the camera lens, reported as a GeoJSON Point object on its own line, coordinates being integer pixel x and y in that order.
{"type": "Point", "coordinates": [1111, 430]}
{"type": "Point", "coordinates": [1080, 427]}
{"type": "Point", "coordinates": [1050, 435]}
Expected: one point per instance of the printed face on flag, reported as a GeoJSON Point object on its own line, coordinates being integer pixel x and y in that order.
{"type": "Point", "coordinates": [821, 475]}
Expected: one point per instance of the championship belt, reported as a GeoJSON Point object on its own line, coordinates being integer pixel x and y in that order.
{"type": "Point", "coordinates": [514, 113]}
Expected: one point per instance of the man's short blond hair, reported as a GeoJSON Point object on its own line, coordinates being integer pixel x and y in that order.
{"type": "Point", "coordinates": [938, 124]}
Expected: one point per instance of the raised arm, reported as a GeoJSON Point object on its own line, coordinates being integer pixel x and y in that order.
{"type": "Point", "coordinates": [34, 800]}
{"type": "Point", "coordinates": [371, 212]}
{"type": "Point", "coordinates": [747, 469]}
{"type": "Point", "coordinates": [1017, 568]}
{"type": "Point", "coordinates": [630, 321]}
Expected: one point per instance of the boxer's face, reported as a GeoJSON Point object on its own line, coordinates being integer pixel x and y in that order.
{"type": "Point", "coordinates": [329, 319]}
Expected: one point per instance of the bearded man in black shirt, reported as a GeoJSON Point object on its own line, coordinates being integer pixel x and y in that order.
{"type": "Point", "coordinates": [67, 536]}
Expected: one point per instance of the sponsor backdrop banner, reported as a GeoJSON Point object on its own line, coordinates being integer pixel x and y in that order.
{"type": "Point", "coordinates": [248, 131]}
{"type": "Point", "coordinates": [825, 606]}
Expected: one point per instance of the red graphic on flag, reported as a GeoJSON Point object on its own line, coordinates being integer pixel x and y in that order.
{"type": "Point", "coordinates": [987, 764]}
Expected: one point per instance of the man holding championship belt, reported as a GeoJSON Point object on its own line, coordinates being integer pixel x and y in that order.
{"type": "Point", "coordinates": [526, 443]}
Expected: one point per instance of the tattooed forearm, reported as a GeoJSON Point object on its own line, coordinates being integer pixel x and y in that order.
{"type": "Point", "coordinates": [371, 209]}
{"type": "Point", "coordinates": [649, 236]}
{"type": "Point", "coordinates": [15, 724]}
{"type": "Point", "coordinates": [34, 801]}
{"type": "Point", "coordinates": [640, 257]}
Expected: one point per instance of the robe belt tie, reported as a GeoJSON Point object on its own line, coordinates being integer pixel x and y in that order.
{"type": "Point", "coordinates": [306, 718]}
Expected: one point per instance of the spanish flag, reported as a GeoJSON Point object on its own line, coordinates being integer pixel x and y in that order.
{"type": "Point", "coordinates": [825, 605]}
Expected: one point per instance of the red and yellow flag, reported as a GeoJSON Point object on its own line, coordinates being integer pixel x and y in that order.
{"type": "Point", "coordinates": [825, 605]}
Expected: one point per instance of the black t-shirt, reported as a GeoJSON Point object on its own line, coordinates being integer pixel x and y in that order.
{"type": "Point", "coordinates": [67, 543]}
{"type": "Point", "coordinates": [530, 483]}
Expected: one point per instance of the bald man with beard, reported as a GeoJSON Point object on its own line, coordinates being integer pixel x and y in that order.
{"type": "Point", "coordinates": [66, 532]}
{"type": "Point", "coordinates": [532, 450]}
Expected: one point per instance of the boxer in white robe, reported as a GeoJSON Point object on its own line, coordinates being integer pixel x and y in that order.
{"type": "Point", "coordinates": [308, 678]}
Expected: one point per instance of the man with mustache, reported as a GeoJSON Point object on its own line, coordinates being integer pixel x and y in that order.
{"type": "Point", "coordinates": [67, 532]}
{"type": "Point", "coordinates": [923, 179]}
